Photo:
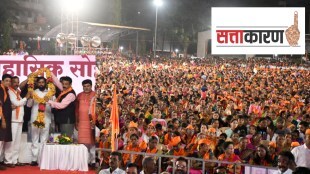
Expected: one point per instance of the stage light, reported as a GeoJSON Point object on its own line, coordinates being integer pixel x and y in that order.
{"type": "Point", "coordinates": [72, 5]}
{"type": "Point", "coordinates": [158, 3]}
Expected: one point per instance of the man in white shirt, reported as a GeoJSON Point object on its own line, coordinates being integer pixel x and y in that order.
{"type": "Point", "coordinates": [114, 162]}
{"type": "Point", "coordinates": [39, 133]}
{"type": "Point", "coordinates": [11, 152]}
{"type": "Point", "coordinates": [285, 159]}
{"type": "Point", "coordinates": [302, 153]}
{"type": "Point", "coordinates": [302, 127]}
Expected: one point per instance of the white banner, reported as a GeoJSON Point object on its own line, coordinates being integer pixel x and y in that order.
{"type": "Point", "coordinates": [78, 68]}
{"type": "Point", "coordinates": [258, 30]}
{"type": "Point", "coordinates": [258, 170]}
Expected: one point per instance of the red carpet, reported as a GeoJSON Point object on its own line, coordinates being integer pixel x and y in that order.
{"type": "Point", "coordinates": [36, 170]}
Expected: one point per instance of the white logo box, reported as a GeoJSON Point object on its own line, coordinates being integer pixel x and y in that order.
{"type": "Point", "coordinates": [258, 19]}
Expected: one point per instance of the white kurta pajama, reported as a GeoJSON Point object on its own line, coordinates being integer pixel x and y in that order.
{"type": "Point", "coordinates": [37, 134]}
{"type": "Point", "coordinates": [12, 148]}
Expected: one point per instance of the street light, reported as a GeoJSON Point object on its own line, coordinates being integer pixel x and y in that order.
{"type": "Point", "coordinates": [176, 50]}
{"type": "Point", "coordinates": [121, 48]}
{"type": "Point", "coordinates": [157, 3]}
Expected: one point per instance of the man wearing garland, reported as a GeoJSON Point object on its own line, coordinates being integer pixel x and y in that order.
{"type": "Point", "coordinates": [64, 106]}
{"type": "Point", "coordinates": [5, 113]}
{"type": "Point", "coordinates": [11, 152]}
{"type": "Point", "coordinates": [39, 132]}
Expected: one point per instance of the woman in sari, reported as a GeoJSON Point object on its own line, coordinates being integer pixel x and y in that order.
{"type": "Point", "coordinates": [230, 156]}
{"type": "Point", "coordinates": [261, 157]}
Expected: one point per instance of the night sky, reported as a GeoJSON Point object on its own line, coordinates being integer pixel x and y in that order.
{"type": "Point", "coordinates": [142, 12]}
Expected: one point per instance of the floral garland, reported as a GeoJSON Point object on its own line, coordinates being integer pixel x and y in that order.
{"type": "Point", "coordinates": [39, 122]}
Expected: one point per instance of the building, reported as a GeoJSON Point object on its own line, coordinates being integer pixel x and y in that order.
{"type": "Point", "coordinates": [30, 24]}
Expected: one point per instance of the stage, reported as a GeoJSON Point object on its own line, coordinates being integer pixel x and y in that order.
{"type": "Point", "coordinates": [36, 170]}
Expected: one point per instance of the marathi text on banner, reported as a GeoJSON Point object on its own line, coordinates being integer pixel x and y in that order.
{"type": "Point", "coordinates": [22, 66]}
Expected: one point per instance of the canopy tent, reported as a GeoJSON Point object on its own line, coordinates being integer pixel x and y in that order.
{"type": "Point", "coordinates": [106, 32]}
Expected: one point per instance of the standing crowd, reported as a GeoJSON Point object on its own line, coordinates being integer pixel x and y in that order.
{"type": "Point", "coordinates": [236, 110]}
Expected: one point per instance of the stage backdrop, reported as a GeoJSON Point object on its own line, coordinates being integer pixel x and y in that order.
{"type": "Point", "coordinates": [78, 67]}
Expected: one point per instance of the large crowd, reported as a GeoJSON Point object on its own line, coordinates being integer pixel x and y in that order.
{"type": "Point", "coordinates": [237, 110]}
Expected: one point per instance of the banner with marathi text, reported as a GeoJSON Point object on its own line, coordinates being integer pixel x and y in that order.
{"type": "Point", "coordinates": [78, 67]}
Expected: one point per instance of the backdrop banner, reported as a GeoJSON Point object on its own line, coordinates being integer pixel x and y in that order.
{"type": "Point", "coordinates": [78, 67]}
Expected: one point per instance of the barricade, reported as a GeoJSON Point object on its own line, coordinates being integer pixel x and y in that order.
{"type": "Point", "coordinates": [248, 169]}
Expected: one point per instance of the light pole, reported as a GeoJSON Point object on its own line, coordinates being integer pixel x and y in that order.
{"type": "Point", "coordinates": [157, 3]}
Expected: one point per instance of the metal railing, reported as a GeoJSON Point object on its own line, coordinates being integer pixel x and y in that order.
{"type": "Point", "coordinates": [160, 156]}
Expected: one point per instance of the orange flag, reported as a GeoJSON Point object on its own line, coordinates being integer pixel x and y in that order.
{"type": "Point", "coordinates": [115, 122]}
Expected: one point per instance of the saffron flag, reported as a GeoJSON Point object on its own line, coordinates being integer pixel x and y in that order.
{"type": "Point", "coordinates": [115, 122]}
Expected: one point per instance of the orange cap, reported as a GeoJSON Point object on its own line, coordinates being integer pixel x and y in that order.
{"type": "Point", "coordinates": [190, 127]}
{"type": "Point", "coordinates": [133, 124]}
{"type": "Point", "coordinates": [143, 145]}
{"type": "Point", "coordinates": [272, 144]}
{"type": "Point", "coordinates": [175, 141]}
{"type": "Point", "coordinates": [203, 141]}
{"type": "Point", "coordinates": [308, 132]}
{"type": "Point", "coordinates": [212, 130]}
{"type": "Point", "coordinates": [104, 131]}
{"type": "Point", "coordinates": [295, 144]}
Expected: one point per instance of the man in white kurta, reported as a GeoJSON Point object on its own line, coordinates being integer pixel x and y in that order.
{"type": "Point", "coordinates": [302, 153]}
{"type": "Point", "coordinates": [37, 134]}
{"type": "Point", "coordinates": [11, 152]}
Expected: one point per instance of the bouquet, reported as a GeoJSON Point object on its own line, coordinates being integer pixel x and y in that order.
{"type": "Point", "coordinates": [64, 139]}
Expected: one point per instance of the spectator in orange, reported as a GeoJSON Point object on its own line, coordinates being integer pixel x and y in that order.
{"type": "Point", "coordinates": [261, 157]}
{"type": "Point", "coordinates": [134, 147]}
{"type": "Point", "coordinates": [176, 149]}
{"type": "Point", "coordinates": [104, 143]}
{"type": "Point", "coordinates": [230, 156]}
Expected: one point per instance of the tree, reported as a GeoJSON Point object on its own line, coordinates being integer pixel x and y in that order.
{"type": "Point", "coordinates": [6, 18]}
{"type": "Point", "coordinates": [117, 20]}
{"type": "Point", "coordinates": [7, 31]}
{"type": "Point", "coordinates": [186, 19]}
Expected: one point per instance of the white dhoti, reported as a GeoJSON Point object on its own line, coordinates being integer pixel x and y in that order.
{"type": "Point", "coordinates": [91, 153]}
{"type": "Point", "coordinates": [1, 150]}
{"type": "Point", "coordinates": [36, 135]}
{"type": "Point", "coordinates": [11, 149]}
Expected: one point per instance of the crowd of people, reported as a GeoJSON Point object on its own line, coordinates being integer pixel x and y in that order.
{"type": "Point", "coordinates": [44, 110]}
{"type": "Point", "coordinates": [237, 110]}
{"type": "Point", "coordinates": [14, 52]}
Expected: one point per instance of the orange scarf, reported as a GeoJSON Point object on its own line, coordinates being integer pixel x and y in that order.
{"type": "Point", "coordinates": [181, 152]}
{"type": "Point", "coordinates": [151, 151]}
{"type": "Point", "coordinates": [5, 97]}
{"type": "Point", "coordinates": [17, 94]}
{"type": "Point", "coordinates": [206, 156]}
{"type": "Point", "coordinates": [93, 109]}
{"type": "Point", "coordinates": [63, 93]}
{"type": "Point", "coordinates": [5, 92]}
